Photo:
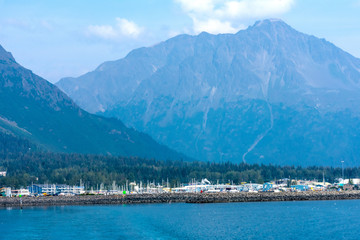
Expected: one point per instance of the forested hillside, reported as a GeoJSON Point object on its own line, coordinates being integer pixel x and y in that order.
{"type": "Point", "coordinates": [24, 169]}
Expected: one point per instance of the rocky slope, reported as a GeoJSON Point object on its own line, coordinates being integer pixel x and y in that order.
{"type": "Point", "coordinates": [34, 109]}
{"type": "Point", "coordinates": [268, 94]}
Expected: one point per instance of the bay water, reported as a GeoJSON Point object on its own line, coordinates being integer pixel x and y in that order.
{"type": "Point", "coordinates": [260, 220]}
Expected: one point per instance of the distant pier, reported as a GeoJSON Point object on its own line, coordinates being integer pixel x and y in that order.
{"type": "Point", "coordinates": [176, 198]}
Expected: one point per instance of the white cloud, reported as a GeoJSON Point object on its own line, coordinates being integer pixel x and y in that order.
{"type": "Point", "coordinates": [122, 29]}
{"type": "Point", "coordinates": [214, 26]}
{"type": "Point", "coordinates": [197, 6]}
{"type": "Point", "coordinates": [30, 25]}
{"type": "Point", "coordinates": [228, 16]}
{"type": "Point", "coordinates": [128, 28]}
{"type": "Point", "coordinates": [254, 8]}
{"type": "Point", "coordinates": [103, 31]}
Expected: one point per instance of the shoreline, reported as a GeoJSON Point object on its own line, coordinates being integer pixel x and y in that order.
{"type": "Point", "coordinates": [175, 198]}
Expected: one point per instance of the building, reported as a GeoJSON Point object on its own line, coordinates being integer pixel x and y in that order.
{"type": "Point", "coordinates": [2, 173]}
{"type": "Point", "coordinates": [267, 187]}
{"type": "Point", "coordinates": [5, 192]}
{"type": "Point", "coordinates": [38, 189]}
{"type": "Point", "coordinates": [66, 189]}
{"type": "Point", "coordinates": [20, 192]}
{"type": "Point", "coordinates": [348, 187]}
{"type": "Point", "coordinates": [299, 188]}
{"type": "Point", "coordinates": [282, 182]}
{"type": "Point", "coordinates": [355, 181]}
{"type": "Point", "coordinates": [54, 189]}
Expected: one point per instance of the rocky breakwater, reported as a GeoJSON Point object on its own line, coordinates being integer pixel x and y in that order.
{"type": "Point", "coordinates": [95, 199]}
{"type": "Point", "coordinates": [175, 198]}
{"type": "Point", "coordinates": [272, 196]}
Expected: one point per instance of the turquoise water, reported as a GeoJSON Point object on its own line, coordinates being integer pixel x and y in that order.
{"type": "Point", "coordinates": [269, 220]}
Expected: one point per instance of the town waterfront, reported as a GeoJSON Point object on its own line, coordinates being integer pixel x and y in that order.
{"type": "Point", "coordinates": [257, 220]}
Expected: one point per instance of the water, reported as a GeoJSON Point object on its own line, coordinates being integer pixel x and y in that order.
{"type": "Point", "coordinates": [269, 220]}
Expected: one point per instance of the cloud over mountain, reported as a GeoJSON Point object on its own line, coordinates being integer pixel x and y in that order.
{"type": "Point", "coordinates": [122, 29]}
{"type": "Point", "coordinates": [227, 16]}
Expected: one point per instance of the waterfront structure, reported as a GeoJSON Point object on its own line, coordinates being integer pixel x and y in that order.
{"type": "Point", "coordinates": [348, 187]}
{"type": "Point", "coordinates": [268, 187]}
{"type": "Point", "coordinates": [355, 181]}
{"type": "Point", "coordinates": [55, 189]}
{"type": "Point", "coordinates": [300, 188]}
{"type": "Point", "coordinates": [203, 186]}
{"type": "Point", "coordinates": [5, 192]}
{"type": "Point", "coordinates": [20, 192]}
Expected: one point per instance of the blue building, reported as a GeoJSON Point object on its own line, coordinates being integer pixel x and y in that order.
{"type": "Point", "coordinates": [300, 187]}
{"type": "Point", "coordinates": [267, 187]}
{"type": "Point", "coordinates": [55, 189]}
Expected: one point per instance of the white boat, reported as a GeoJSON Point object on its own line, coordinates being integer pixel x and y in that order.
{"type": "Point", "coordinates": [213, 190]}
{"type": "Point", "coordinates": [234, 191]}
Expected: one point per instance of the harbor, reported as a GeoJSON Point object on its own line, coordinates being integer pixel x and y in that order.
{"type": "Point", "coordinates": [202, 186]}
{"type": "Point", "coordinates": [202, 191]}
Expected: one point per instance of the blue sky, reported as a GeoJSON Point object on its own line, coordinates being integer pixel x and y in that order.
{"type": "Point", "coordinates": [67, 38]}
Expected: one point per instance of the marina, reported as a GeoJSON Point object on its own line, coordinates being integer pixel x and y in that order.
{"type": "Point", "coordinates": [203, 186]}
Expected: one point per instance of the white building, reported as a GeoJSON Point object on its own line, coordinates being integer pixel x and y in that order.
{"type": "Point", "coordinates": [20, 192]}
{"type": "Point", "coordinates": [353, 181]}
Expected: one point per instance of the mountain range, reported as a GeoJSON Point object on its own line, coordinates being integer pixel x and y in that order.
{"type": "Point", "coordinates": [37, 112]}
{"type": "Point", "coordinates": [267, 94]}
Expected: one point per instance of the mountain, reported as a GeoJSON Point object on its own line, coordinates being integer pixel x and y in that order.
{"type": "Point", "coordinates": [267, 94]}
{"type": "Point", "coordinates": [34, 110]}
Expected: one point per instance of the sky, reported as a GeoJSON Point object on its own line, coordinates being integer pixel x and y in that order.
{"type": "Point", "coordinates": [61, 38]}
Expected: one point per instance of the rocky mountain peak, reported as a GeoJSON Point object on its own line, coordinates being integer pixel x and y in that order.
{"type": "Point", "coordinates": [6, 56]}
{"type": "Point", "coordinates": [221, 96]}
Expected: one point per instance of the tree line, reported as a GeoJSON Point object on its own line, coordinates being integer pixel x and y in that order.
{"type": "Point", "coordinates": [26, 167]}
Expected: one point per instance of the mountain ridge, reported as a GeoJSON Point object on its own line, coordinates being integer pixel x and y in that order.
{"type": "Point", "coordinates": [221, 97]}
{"type": "Point", "coordinates": [36, 110]}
